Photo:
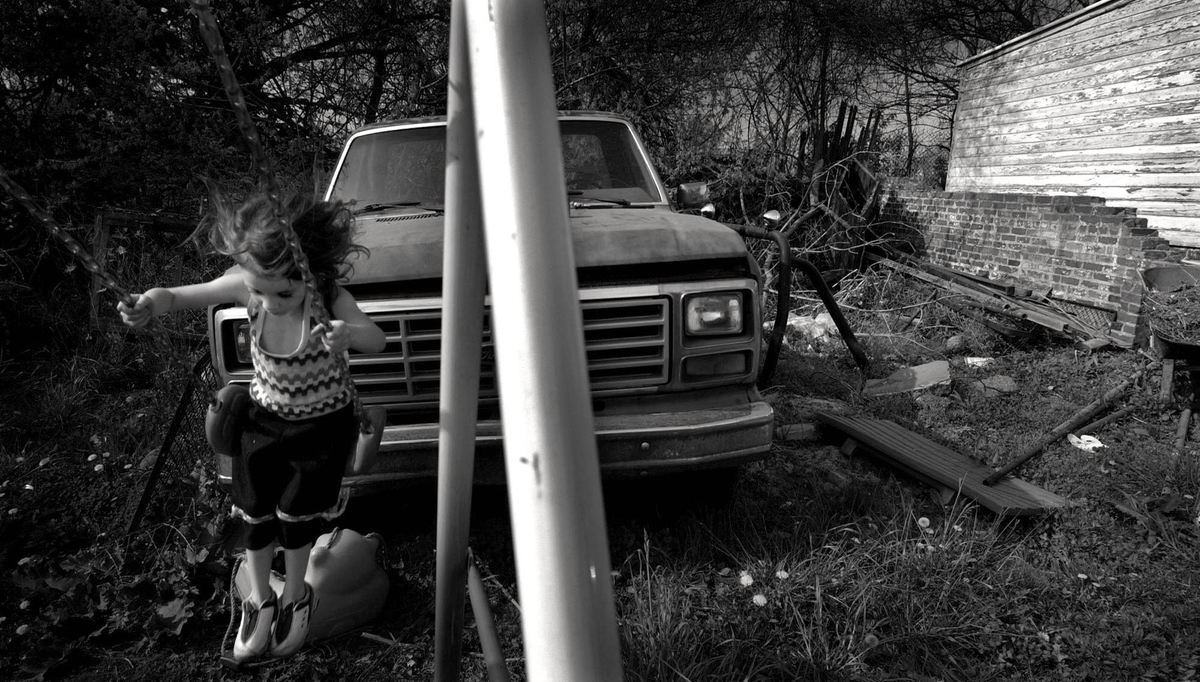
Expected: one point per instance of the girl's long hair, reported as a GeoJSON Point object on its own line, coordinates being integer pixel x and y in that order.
{"type": "Point", "coordinates": [248, 232]}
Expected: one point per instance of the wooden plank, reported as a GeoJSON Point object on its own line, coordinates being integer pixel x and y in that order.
{"type": "Point", "coordinates": [1004, 305]}
{"type": "Point", "coordinates": [1129, 78]}
{"type": "Point", "coordinates": [942, 466]}
{"type": "Point", "coordinates": [1166, 387]}
{"type": "Point", "coordinates": [1173, 89]}
{"type": "Point", "coordinates": [1174, 48]}
{"type": "Point", "coordinates": [1075, 181]}
{"type": "Point", "coordinates": [1078, 74]}
{"type": "Point", "coordinates": [1169, 163]}
{"type": "Point", "coordinates": [1184, 234]}
{"type": "Point", "coordinates": [1116, 195]}
{"type": "Point", "coordinates": [1179, 145]}
{"type": "Point", "coordinates": [1086, 133]}
{"type": "Point", "coordinates": [1121, 33]}
{"type": "Point", "coordinates": [1175, 113]}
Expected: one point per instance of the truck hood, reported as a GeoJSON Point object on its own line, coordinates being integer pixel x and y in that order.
{"type": "Point", "coordinates": [404, 247]}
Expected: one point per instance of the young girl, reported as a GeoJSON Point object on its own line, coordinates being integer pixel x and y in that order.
{"type": "Point", "coordinates": [301, 426]}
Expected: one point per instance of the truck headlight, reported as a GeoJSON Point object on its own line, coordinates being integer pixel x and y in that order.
{"type": "Point", "coordinates": [241, 341]}
{"type": "Point", "coordinates": [711, 314]}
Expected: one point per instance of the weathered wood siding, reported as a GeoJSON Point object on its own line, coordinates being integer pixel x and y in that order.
{"type": "Point", "coordinates": [1104, 102]}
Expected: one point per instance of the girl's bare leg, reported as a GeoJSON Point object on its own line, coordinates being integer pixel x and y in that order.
{"type": "Point", "coordinates": [296, 564]}
{"type": "Point", "coordinates": [258, 563]}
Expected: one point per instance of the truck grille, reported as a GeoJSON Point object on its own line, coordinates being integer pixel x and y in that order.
{"type": "Point", "coordinates": [625, 339]}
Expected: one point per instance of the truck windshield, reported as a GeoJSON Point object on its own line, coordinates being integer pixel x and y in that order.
{"type": "Point", "coordinates": [601, 161]}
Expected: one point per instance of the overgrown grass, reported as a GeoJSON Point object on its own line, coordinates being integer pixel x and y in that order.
{"type": "Point", "coordinates": [818, 566]}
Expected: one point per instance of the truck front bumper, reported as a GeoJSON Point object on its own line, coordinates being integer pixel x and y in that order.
{"type": "Point", "coordinates": [632, 440]}
{"type": "Point", "coordinates": [628, 445]}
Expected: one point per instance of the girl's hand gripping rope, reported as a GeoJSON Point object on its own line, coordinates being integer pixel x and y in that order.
{"type": "Point", "coordinates": [145, 307]}
{"type": "Point", "coordinates": [335, 335]}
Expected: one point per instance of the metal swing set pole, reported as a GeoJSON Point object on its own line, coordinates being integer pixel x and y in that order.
{"type": "Point", "coordinates": [462, 331]}
{"type": "Point", "coordinates": [559, 536]}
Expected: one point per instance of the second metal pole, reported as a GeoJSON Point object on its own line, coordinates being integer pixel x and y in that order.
{"type": "Point", "coordinates": [462, 322]}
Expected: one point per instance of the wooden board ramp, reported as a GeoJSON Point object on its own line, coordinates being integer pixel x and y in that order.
{"type": "Point", "coordinates": [940, 466]}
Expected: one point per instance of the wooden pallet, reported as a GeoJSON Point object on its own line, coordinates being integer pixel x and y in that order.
{"type": "Point", "coordinates": [940, 466]}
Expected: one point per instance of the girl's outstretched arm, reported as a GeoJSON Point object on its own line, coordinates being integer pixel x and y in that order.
{"type": "Point", "coordinates": [351, 328]}
{"type": "Point", "coordinates": [228, 288]}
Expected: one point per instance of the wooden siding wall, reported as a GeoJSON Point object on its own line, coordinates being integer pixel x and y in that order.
{"type": "Point", "coordinates": [1105, 102]}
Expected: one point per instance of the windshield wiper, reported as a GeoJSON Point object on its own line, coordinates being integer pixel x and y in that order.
{"type": "Point", "coordinates": [579, 199]}
{"type": "Point", "coordinates": [370, 208]}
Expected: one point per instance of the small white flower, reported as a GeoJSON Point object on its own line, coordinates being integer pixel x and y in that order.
{"type": "Point", "coordinates": [1082, 576]}
{"type": "Point", "coordinates": [98, 468]}
{"type": "Point", "coordinates": [781, 574]}
{"type": "Point", "coordinates": [22, 629]}
{"type": "Point", "coordinates": [24, 604]}
{"type": "Point", "coordinates": [93, 457]}
{"type": "Point", "coordinates": [745, 579]}
{"type": "Point", "coordinates": [29, 486]}
{"type": "Point", "coordinates": [44, 462]}
{"type": "Point", "coordinates": [870, 640]}
{"type": "Point", "coordinates": [923, 522]}
{"type": "Point", "coordinates": [759, 600]}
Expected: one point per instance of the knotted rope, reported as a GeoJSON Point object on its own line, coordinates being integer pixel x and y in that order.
{"type": "Point", "coordinates": [76, 249]}
{"type": "Point", "coordinates": [233, 92]}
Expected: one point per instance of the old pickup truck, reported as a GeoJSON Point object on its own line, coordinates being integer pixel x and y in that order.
{"type": "Point", "coordinates": [669, 303]}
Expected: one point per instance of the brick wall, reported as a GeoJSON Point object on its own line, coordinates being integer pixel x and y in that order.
{"type": "Point", "coordinates": [1077, 249]}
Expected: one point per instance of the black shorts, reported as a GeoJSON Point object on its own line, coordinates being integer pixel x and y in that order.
{"type": "Point", "coordinates": [292, 469]}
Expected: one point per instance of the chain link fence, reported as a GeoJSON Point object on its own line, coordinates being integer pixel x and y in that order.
{"type": "Point", "coordinates": [919, 160]}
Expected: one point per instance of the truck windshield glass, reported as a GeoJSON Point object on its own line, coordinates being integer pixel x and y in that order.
{"type": "Point", "coordinates": [601, 161]}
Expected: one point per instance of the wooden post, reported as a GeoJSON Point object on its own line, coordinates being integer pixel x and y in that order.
{"type": "Point", "coordinates": [1181, 432]}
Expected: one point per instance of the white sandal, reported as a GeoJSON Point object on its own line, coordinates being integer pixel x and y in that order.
{"type": "Point", "coordinates": [291, 626]}
{"type": "Point", "coordinates": [254, 635]}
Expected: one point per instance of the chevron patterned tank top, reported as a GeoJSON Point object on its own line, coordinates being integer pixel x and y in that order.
{"type": "Point", "coordinates": [303, 384]}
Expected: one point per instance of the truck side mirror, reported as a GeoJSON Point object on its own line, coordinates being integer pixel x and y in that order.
{"type": "Point", "coordinates": [770, 219]}
{"type": "Point", "coordinates": [692, 194]}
